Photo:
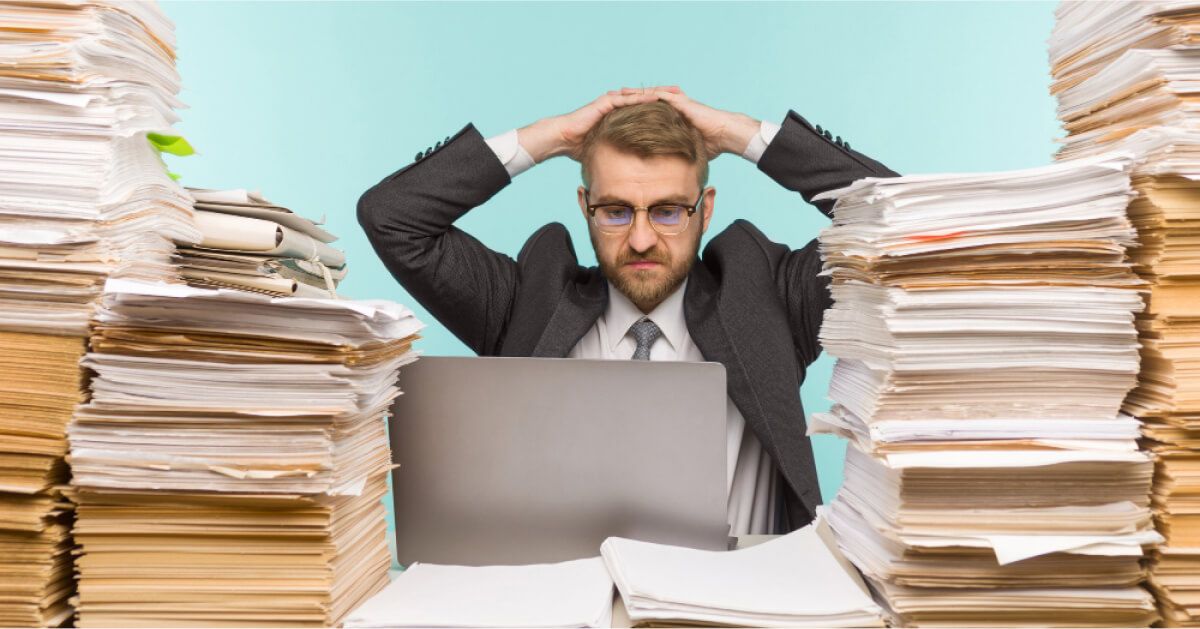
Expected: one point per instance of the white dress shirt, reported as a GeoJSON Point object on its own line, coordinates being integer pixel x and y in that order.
{"type": "Point", "coordinates": [751, 480]}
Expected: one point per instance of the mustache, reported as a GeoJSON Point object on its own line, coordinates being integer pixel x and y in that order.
{"type": "Point", "coordinates": [653, 255]}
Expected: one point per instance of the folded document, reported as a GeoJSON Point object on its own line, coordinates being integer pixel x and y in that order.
{"type": "Point", "coordinates": [793, 581]}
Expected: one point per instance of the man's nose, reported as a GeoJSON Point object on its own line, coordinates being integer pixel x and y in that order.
{"type": "Point", "coordinates": [642, 236]}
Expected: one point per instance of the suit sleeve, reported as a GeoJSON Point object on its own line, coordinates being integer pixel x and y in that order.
{"type": "Point", "coordinates": [805, 160]}
{"type": "Point", "coordinates": [409, 219]}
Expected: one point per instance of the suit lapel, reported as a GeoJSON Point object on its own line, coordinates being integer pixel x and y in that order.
{"type": "Point", "coordinates": [701, 310]}
{"type": "Point", "coordinates": [578, 308]}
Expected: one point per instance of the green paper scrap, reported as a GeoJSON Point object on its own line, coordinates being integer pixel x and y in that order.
{"type": "Point", "coordinates": [173, 144]}
{"type": "Point", "coordinates": [174, 176]}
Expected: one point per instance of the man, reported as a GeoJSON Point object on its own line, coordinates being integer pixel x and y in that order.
{"type": "Point", "coordinates": [749, 303]}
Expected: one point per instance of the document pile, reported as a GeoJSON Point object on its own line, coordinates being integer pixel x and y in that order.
{"type": "Point", "coordinates": [1123, 66]}
{"type": "Point", "coordinates": [40, 385]}
{"type": "Point", "coordinates": [569, 594]}
{"type": "Point", "coordinates": [84, 87]}
{"type": "Point", "coordinates": [230, 465]}
{"type": "Point", "coordinates": [792, 581]}
{"type": "Point", "coordinates": [1141, 96]}
{"type": "Point", "coordinates": [252, 244]}
{"type": "Point", "coordinates": [984, 329]}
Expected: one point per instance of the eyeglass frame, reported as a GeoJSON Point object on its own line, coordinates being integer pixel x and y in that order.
{"type": "Point", "coordinates": [691, 209]}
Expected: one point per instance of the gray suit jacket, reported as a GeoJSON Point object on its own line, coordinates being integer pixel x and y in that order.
{"type": "Point", "coordinates": [751, 304]}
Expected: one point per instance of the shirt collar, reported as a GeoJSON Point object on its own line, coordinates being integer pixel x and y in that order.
{"type": "Point", "coordinates": [620, 314]}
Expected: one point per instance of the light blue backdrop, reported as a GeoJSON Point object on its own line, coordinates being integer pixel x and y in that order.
{"type": "Point", "coordinates": [313, 103]}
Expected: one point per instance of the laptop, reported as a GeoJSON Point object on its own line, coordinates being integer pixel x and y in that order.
{"type": "Point", "coordinates": [507, 461]}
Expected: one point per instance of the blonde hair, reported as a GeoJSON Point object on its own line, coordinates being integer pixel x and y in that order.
{"type": "Point", "coordinates": [645, 130]}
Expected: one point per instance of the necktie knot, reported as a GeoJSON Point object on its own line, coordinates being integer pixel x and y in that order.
{"type": "Point", "coordinates": [645, 332]}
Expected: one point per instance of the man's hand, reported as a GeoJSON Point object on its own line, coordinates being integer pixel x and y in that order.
{"type": "Point", "coordinates": [563, 135]}
{"type": "Point", "coordinates": [723, 131]}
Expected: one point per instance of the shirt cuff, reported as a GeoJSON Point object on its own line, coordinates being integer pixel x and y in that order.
{"type": "Point", "coordinates": [509, 151]}
{"type": "Point", "coordinates": [759, 141]}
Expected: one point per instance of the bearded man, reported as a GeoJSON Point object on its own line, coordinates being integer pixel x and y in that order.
{"type": "Point", "coordinates": [749, 303]}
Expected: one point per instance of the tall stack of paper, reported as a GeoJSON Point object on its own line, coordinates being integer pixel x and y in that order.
{"type": "Point", "coordinates": [984, 326]}
{"type": "Point", "coordinates": [84, 88]}
{"type": "Point", "coordinates": [252, 244]}
{"type": "Point", "coordinates": [230, 465]}
{"type": "Point", "coordinates": [1123, 66]}
{"type": "Point", "coordinates": [40, 385]}
{"type": "Point", "coordinates": [86, 92]}
{"type": "Point", "coordinates": [1140, 96]}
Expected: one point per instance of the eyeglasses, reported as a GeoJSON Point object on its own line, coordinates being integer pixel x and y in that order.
{"type": "Point", "coordinates": [667, 219]}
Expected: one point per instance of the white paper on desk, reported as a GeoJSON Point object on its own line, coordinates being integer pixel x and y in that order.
{"type": "Point", "coordinates": [794, 580]}
{"type": "Point", "coordinates": [569, 594]}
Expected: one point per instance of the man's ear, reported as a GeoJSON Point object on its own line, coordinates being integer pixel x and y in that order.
{"type": "Point", "coordinates": [582, 203]}
{"type": "Point", "coordinates": [708, 203]}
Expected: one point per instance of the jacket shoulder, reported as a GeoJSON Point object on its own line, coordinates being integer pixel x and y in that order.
{"type": "Point", "coordinates": [741, 244]}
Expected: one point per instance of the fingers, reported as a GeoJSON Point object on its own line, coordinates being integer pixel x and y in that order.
{"type": "Point", "coordinates": [609, 102]}
{"type": "Point", "coordinates": [669, 89]}
{"type": "Point", "coordinates": [629, 99]}
{"type": "Point", "coordinates": [621, 100]}
{"type": "Point", "coordinates": [634, 95]}
{"type": "Point", "coordinates": [658, 89]}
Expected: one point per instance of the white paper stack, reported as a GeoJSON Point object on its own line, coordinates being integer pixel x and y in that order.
{"type": "Point", "coordinates": [569, 594]}
{"type": "Point", "coordinates": [1126, 75]}
{"type": "Point", "coordinates": [84, 195]}
{"type": "Point", "coordinates": [230, 465]}
{"type": "Point", "coordinates": [252, 244]}
{"type": "Point", "coordinates": [83, 192]}
{"type": "Point", "coordinates": [1123, 66]}
{"type": "Point", "coordinates": [984, 326]}
{"type": "Point", "coordinates": [793, 581]}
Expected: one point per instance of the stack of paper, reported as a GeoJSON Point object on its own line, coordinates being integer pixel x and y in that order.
{"type": "Point", "coordinates": [1126, 77]}
{"type": "Point", "coordinates": [984, 326]}
{"type": "Point", "coordinates": [36, 577]}
{"type": "Point", "coordinates": [40, 385]}
{"type": "Point", "coordinates": [1123, 66]}
{"type": "Point", "coordinates": [230, 464]}
{"type": "Point", "coordinates": [252, 244]}
{"type": "Point", "coordinates": [568, 594]}
{"type": "Point", "coordinates": [87, 92]}
{"type": "Point", "coordinates": [87, 97]}
{"type": "Point", "coordinates": [794, 581]}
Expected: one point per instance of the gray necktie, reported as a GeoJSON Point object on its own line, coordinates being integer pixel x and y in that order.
{"type": "Point", "coordinates": [645, 332]}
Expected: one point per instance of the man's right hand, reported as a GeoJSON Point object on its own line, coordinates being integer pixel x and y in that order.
{"type": "Point", "coordinates": [563, 135]}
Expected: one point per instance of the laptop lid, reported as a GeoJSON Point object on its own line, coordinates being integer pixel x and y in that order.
{"type": "Point", "coordinates": [529, 460]}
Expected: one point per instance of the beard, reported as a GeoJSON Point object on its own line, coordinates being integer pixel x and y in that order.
{"type": "Point", "coordinates": [647, 288]}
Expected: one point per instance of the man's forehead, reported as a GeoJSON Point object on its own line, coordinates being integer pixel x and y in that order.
{"type": "Point", "coordinates": [654, 177]}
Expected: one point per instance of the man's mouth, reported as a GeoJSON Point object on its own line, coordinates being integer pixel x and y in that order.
{"type": "Point", "coordinates": [641, 265]}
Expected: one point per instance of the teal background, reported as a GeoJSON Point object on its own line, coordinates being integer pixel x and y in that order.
{"type": "Point", "coordinates": [313, 103]}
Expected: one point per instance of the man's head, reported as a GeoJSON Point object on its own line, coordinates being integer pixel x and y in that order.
{"type": "Point", "coordinates": [641, 156]}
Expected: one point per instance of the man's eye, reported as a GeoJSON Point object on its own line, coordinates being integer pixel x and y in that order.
{"type": "Point", "coordinates": [665, 213]}
{"type": "Point", "coordinates": [615, 213]}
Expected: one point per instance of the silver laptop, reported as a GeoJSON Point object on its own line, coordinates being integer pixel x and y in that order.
{"type": "Point", "coordinates": [530, 460]}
